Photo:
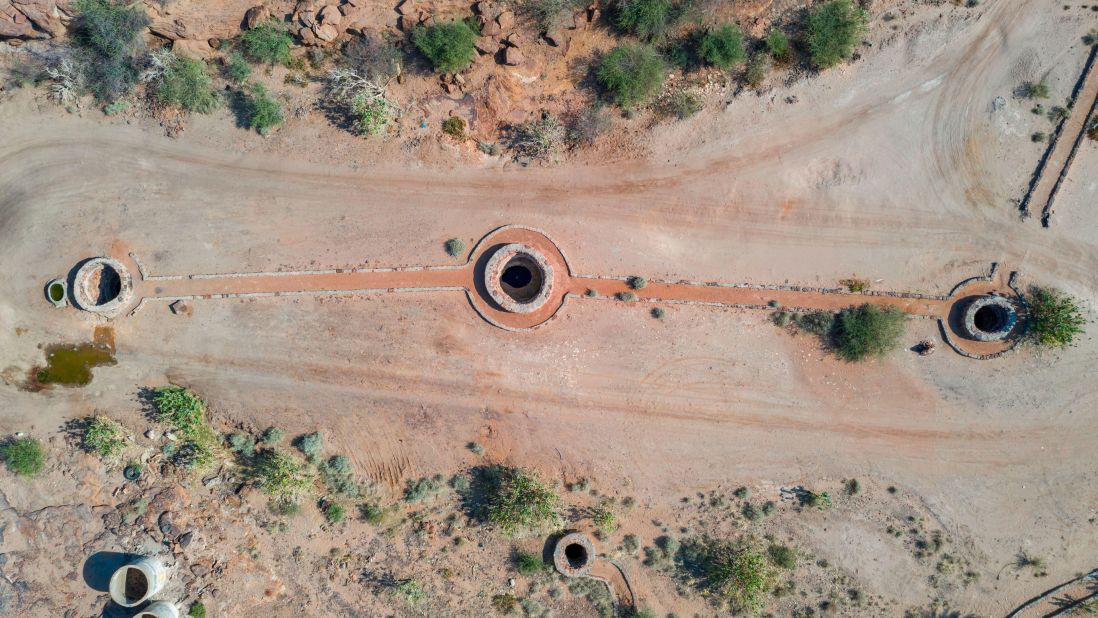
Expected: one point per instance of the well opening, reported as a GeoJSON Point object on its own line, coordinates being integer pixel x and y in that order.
{"type": "Point", "coordinates": [576, 555]}
{"type": "Point", "coordinates": [989, 318]}
{"type": "Point", "coordinates": [137, 585]}
{"type": "Point", "coordinates": [521, 279]}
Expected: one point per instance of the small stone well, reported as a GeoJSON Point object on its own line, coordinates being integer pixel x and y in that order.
{"type": "Point", "coordinates": [518, 278]}
{"type": "Point", "coordinates": [990, 318]}
{"type": "Point", "coordinates": [103, 286]}
{"type": "Point", "coordinates": [574, 555]}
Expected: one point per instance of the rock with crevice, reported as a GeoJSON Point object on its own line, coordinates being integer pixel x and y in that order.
{"type": "Point", "coordinates": [255, 16]}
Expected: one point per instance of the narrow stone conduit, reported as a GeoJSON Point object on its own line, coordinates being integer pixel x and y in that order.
{"type": "Point", "coordinates": [517, 279]}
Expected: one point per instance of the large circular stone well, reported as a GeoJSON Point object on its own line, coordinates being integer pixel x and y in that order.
{"type": "Point", "coordinates": [574, 555]}
{"type": "Point", "coordinates": [103, 286]}
{"type": "Point", "coordinates": [518, 278]}
{"type": "Point", "coordinates": [990, 318]}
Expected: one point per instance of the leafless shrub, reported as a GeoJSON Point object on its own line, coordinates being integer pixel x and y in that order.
{"type": "Point", "coordinates": [539, 139]}
{"type": "Point", "coordinates": [65, 82]}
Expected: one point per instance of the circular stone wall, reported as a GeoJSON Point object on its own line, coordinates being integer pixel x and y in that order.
{"type": "Point", "coordinates": [103, 286]}
{"type": "Point", "coordinates": [518, 278]}
{"type": "Point", "coordinates": [574, 555]}
{"type": "Point", "coordinates": [990, 318]}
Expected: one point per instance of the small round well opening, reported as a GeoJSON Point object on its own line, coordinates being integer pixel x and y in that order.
{"type": "Point", "coordinates": [576, 555]}
{"type": "Point", "coordinates": [137, 585]}
{"type": "Point", "coordinates": [57, 292]}
{"type": "Point", "coordinates": [521, 279]}
{"type": "Point", "coordinates": [989, 318]}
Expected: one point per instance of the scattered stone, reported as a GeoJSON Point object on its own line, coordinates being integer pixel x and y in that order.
{"type": "Point", "coordinates": [554, 38]}
{"type": "Point", "coordinates": [212, 481]}
{"type": "Point", "coordinates": [511, 582]}
{"type": "Point", "coordinates": [458, 79]}
{"type": "Point", "coordinates": [180, 307]}
{"type": "Point", "coordinates": [186, 538]}
{"type": "Point", "coordinates": [200, 570]}
{"type": "Point", "coordinates": [513, 57]}
{"type": "Point", "coordinates": [164, 522]}
{"type": "Point", "coordinates": [255, 16]}
{"type": "Point", "coordinates": [152, 434]}
{"type": "Point", "coordinates": [170, 436]}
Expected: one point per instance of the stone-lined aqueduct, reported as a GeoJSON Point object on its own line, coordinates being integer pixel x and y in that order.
{"type": "Point", "coordinates": [516, 278]}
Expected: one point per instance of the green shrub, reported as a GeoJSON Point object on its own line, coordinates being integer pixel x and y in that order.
{"type": "Point", "coordinates": [682, 104]}
{"type": "Point", "coordinates": [310, 443]}
{"type": "Point", "coordinates": [756, 71]}
{"type": "Point", "coordinates": [604, 518]}
{"type": "Point", "coordinates": [269, 42]}
{"type": "Point", "coordinates": [454, 248]}
{"type": "Point", "coordinates": [631, 74]}
{"type": "Point", "coordinates": [834, 29]}
{"type": "Point", "coordinates": [272, 435]}
{"type": "Point", "coordinates": [454, 126]}
{"type": "Point", "coordinates": [1038, 137]}
{"type": "Point", "coordinates": [412, 592]}
{"type": "Point", "coordinates": [658, 312]}
{"type": "Point", "coordinates": [372, 514]}
{"type": "Point", "coordinates": [742, 493]}
{"type": "Point", "coordinates": [242, 444]}
{"type": "Point", "coordinates": [1039, 90]}
{"type": "Point", "coordinates": [637, 283]}
{"type": "Point", "coordinates": [421, 489]}
{"type": "Point", "coordinates": [281, 476]}
{"type": "Point", "coordinates": [186, 84]}
{"type": "Point", "coordinates": [1055, 319]}
{"type": "Point", "coordinates": [780, 318]}
{"type": "Point", "coordinates": [337, 475]}
{"type": "Point", "coordinates": [777, 44]}
{"type": "Point", "coordinates": [104, 437]}
{"type": "Point", "coordinates": [529, 564]}
{"type": "Point", "coordinates": [751, 512]}
{"type": "Point", "coordinates": [521, 501]}
{"type": "Point", "coordinates": [476, 448]}
{"type": "Point", "coordinates": [370, 115]}
{"type": "Point", "coordinates": [733, 570]}
{"type": "Point", "coordinates": [868, 330]}
{"type": "Point", "coordinates": [546, 14]}
{"type": "Point", "coordinates": [449, 46]}
{"type": "Point", "coordinates": [108, 36]}
{"type": "Point", "coordinates": [238, 70]}
{"type": "Point", "coordinates": [852, 487]}
{"type": "Point", "coordinates": [783, 556]}
{"type": "Point", "coordinates": [262, 110]}
{"type": "Point", "coordinates": [821, 501]}
{"type": "Point", "coordinates": [185, 413]}
{"type": "Point", "coordinates": [626, 296]}
{"type": "Point", "coordinates": [648, 19]}
{"type": "Point", "coordinates": [820, 323]}
{"type": "Point", "coordinates": [723, 47]}
{"type": "Point", "coordinates": [334, 512]}
{"type": "Point", "coordinates": [504, 603]}
{"type": "Point", "coordinates": [197, 610]}
{"type": "Point", "coordinates": [23, 456]}
{"type": "Point", "coordinates": [115, 108]}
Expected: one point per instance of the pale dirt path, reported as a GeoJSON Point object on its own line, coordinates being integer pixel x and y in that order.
{"type": "Point", "coordinates": [912, 189]}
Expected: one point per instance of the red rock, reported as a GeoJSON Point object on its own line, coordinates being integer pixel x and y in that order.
{"type": "Point", "coordinates": [486, 45]}
{"type": "Point", "coordinates": [307, 36]}
{"type": "Point", "coordinates": [506, 20]}
{"type": "Point", "coordinates": [326, 33]}
{"type": "Point", "coordinates": [255, 16]}
{"type": "Point", "coordinates": [514, 40]}
{"type": "Point", "coordinates": [330, 15]}
{"type": "Point", "coordinates": [513, 57]}
{"type": "Point", "coordinates": [406, 7]}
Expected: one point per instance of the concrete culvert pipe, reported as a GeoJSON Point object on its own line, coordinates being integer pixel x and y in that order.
{"type": "Point", "coordinates": [159, 609]}
{"type": "Point", "coordinates": [134, 583]}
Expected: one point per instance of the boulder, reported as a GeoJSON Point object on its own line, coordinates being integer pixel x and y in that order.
{"type": "Point", "coordinates": [506, 20]}
{"type": "Point", "coordinates": [199, 50]}
{"type": "Point", "coordinates": [255, 16]}
{"type": "Point", "coordinates": [489, 27]}
{"type": "Point", "coordinates": [486, 45]}
{"type": "Point", "coordinates": [556, 38]}
{"type": "Point", "coordinates": [171, 30]}
{"type": "Point", "coordinates": [44, 14]}
{"type": "Point", "coordinates": [514, 40]}
{"type": "Point", "coordinates": [307, 37]}
{"type": "Point", "coordinates": [326, 33]}
{"type": "Point", "coordinates": [406, 22]}
{"type": "Point", "coordinates": [330, 16]}
{"type": "Point", "coordinates": [513, 57]}
{"type": "Point", "coordinates": [406, 7]}
{"type": "Point", "coordinates": [481, 8]}
{"type": "Point", "coordinates": [15, 25]}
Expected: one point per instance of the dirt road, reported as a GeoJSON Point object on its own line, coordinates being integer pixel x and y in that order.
{"type": "Point", "coordinates": [893, 169]}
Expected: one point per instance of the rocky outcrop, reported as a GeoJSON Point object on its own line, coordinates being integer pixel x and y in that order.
{"type": "Point", "coordinates": [317, 23]}
{"type": "Point", "coordinates": [34, 19]}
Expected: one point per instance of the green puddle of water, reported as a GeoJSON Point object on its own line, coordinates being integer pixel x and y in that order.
{"type": "Point", "coordinates": [57, 292]}
{"type": "Point", "coordinates": [71, 365]}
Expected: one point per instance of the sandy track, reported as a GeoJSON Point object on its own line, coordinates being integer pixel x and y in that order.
{"type": "Point", "coordinates": [876, 172]}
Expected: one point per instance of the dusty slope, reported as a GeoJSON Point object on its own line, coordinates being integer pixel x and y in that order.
{"type": "Point", "coordinates": [894, 168]}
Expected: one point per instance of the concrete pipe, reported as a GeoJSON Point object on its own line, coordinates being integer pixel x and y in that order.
{"type": "Point", "coordinates": [159, 609]}
{"type": "Point", "coordinates": [135, 583]}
